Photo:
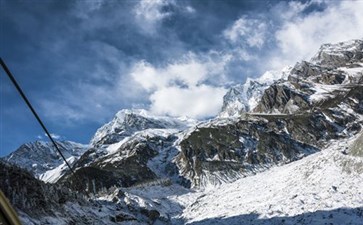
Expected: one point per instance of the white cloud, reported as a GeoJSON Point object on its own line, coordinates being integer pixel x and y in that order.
{"type": "Point", "coordinates": [149, 12]}
{"type": "Point", "coordinates": [189, 9]}
{"type": "Point", "coordinates": [197, 101]}
{"type": "Point", "coordinates": [247, 31]}
{"type": "Point", "coordinates": [184, 87]}
{"type": "Point", "coordinates": [302, 36]}
{"type": "Point", "coordinates": [292, 32]}
{"type": "Point", "coordinates": [187, 73]}
{"type": "Point", "coordinates": [54, 136]}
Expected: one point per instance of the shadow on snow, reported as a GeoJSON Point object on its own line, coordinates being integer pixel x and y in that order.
{"type": "Point", "coordinates": [340, 216]}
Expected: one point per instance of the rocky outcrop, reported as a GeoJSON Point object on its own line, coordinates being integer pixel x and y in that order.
{"type": "Point", "coordinates": [243, 98]}
{"type": "Point", "coordinates": [279, 98]}
{"type": "Point", "coordinates": [340, 54]}
{"type": "Point", "coordinates": [124, 168]}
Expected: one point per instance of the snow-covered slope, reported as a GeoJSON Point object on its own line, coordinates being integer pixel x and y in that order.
{"type": "Point", "coordinates": [324, 188]}
{"type": "Point", "coordinates": [43, 160]}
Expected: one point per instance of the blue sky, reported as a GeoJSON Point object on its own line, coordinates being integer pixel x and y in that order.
{"type": "Point", "coordinates": [81, 61]}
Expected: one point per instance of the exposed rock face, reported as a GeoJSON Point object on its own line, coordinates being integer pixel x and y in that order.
{"type": "Point", "coordinates": [243, 98]}
{"type": "Point", "coordinates": [341, 54]}
{"type": "Point", "coordinates": [217, 153]}
{"type": "Point", "coordinates": [282, 99]}
{"type": "Point", "coordinates": [144, 157]}
{"type": "Point", "coordinates": [124, 168]}
{"type": "Point", "coordinates": [135, 147]}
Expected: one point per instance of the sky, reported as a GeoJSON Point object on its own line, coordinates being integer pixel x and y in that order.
{"type": "Point", "coordinates": [81, 61]}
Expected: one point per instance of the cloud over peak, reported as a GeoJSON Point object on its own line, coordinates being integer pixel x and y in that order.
{"type": "Point", "coordinates": [185, 87]}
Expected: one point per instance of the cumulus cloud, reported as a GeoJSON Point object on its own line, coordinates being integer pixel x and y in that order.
{"type": "Point", "coordinates": [196, 101]}
{"type": "Point", "coordinates": [188, 73]}
{"type": "Point", "coordinates": [292, 31]}
{"type": "Point", "coordinates": [149, 13]}
{"type": "Point", "coordinates": [247, 31]}
{"type": "Point", "coordinates": [300, 37]}
{"type": "Point", "coordinates": [186, 87]}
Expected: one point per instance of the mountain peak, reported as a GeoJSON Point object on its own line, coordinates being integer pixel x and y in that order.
{"type": "Point", "coordinates": [340, 53]}
{"type": "Point", "coordinates": [128, 121]}
{"type": "Point", "coordinates": [244, 97]}
{"type": "Point", "coordinates": [39, 156]}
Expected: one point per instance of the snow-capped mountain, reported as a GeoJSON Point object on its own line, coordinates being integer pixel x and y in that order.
{"type": "Point", "coordinates": [244, 97]}
{"type": "Point", "coordinates": [42, 159]}
{"type": "Point", "coordinates": [126, 122]}
{"type": "Point", "coordinates": [133, 148]}
{"type": "Point", "coordinates": [286, 149]}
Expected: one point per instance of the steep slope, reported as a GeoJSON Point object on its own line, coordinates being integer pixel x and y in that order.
{"type": "Point", "coordinates": [323, 188]}
{"type": "Point", "coordinates": [135, 147]}
{"type": "Point", "coordinates": [295, 117]}
{"type": "Point", "coordinates": [42, 159]}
